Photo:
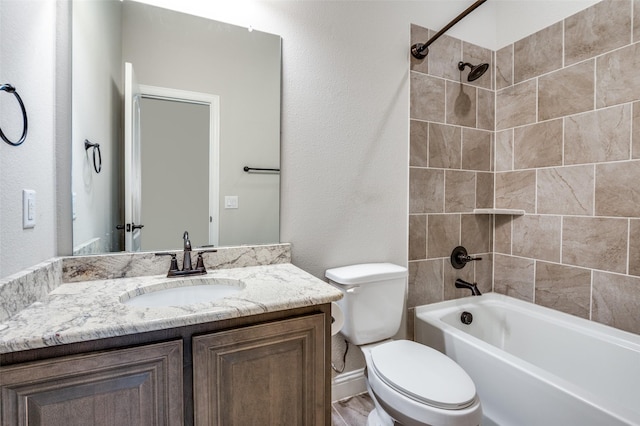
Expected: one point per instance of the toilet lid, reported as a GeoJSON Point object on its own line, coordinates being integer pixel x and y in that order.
{"type": "Point", "coordinates": [423, 374]}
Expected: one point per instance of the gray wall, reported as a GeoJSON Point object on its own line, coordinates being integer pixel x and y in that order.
{"type": "Point", "coordinates": [97, 116]}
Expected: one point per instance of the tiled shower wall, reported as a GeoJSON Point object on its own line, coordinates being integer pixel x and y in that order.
{"type": "Point", "coordinates": [451, 170]}
{"type": "Point", "coordinates": [566, 151]}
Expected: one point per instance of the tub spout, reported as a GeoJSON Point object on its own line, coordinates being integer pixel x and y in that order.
{"type": "Point", "coordinates": [473, 287]}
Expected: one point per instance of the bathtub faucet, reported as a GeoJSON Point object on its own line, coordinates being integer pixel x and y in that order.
{"type": "Point", "coordinates": [473, 287]}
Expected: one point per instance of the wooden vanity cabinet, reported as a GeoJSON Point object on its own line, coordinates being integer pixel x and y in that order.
{"type": "Point", "coordinates": [267, 369]}
{"type": "Point", "coordinates": [128, 387]}
{"type": "Point", "coordinates": [268, 374]}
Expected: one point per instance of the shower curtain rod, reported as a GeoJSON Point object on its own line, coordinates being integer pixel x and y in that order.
{"type": "Point", "coordinates": [421, 50]}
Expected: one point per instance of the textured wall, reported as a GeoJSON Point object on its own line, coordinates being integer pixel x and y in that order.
{"type": "Point", "coordinates": [27, 58]}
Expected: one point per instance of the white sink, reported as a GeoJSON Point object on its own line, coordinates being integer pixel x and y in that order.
{"type": "Point", "coordinates": [183, 291]}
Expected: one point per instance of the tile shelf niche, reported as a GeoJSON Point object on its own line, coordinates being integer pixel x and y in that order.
{"type": "Point", "coordinates": [512, 212]}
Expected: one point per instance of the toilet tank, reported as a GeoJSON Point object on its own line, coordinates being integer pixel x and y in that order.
{"type": "Point", "coordinates": [373, 300]}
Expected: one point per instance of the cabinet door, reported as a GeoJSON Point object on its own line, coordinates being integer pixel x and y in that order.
{"type": "Point", "coordinates": [127, 387]}
{"type": "Point", "coordinates": [269, 374]}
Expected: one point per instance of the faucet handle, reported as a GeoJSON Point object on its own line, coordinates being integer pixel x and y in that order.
{"type": "Point", "coordinates": [174, 261]}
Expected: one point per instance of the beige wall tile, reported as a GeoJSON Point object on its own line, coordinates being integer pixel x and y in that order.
{"type": "Point", "coordinates": [484, 190]}
{"type": "Point", "coordinates": [598, 243]}
{"type": "Point", "coordinates": [634, 247]}
{"type": "Point", "coordinates": [476, 150]}
{"type": "Point", "coordinates": [516, 190]}
{"type": "Point", "coordinates": [502, 232]}
{"type": "Point", "coordinates": [425, 282]}
{"type": "Point", "coordinates": [618, 189]}
{"type": "Point", "coordinates": [567, 91]}
{"type": "Point", "coordinates": [538, 145]}
{"type": "Point", "coordinates": [460, 191]}
{"type": "Point", "coordinates": [475, 233]}
{"type": "Point", "coordinates": [504, 67]}
{"type": "Point", "coordinates": [475, 55]}
{"type": "Point", "coordinates": [635, 128]}
{"type": "Point", "coordinates": [537, 237]}
{"type": "Point", "coordinates": [636, 20]}
{"type": "Point", "coordinates": [602, 135]}
{"type": "Point", "coordinates": [563, 288]}
{"type": "Point", "coordinates": [426, 190]}
{"type": "Point", "coordinates": [504, 150]}
{"type": "Point", "coordinates": [566, 190]}
{"type": "Point", "coordinates": [443, 234]}
{"type": "Point", "coordinates": [427, 97]}
{"type": "Point", "coordinates": [516, 105]}
{"type": "Point", "coordinates": [484, 273]}
{"type": "Point", "coordinates": [486, 109]}
{"type": "Point", "coordinates": [461, 104]}
{"type": "Point", "coordinates": [618, 77]}
{"type": "Point", "coordinates": [616, 301]}
{"type": "Point", "coordinates": [445, 146]}
{"type": "Point", "coordinates": [418, 143]}
{"type": "Point", "coordinates": [514, 277]}
{"type": "Point", "coordinates": [596, 30]}
{"type": "Point", "coordinates": [419, 35]}
{"type": "Point", "coordinates": [444, 56]}
{"type": "Point", "coordinates": [417, 237]}
{"type": "Point", "coordinates": [538, 53]}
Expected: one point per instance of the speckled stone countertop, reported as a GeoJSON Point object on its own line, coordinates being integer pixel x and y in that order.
{"type": "Point", "coordinates": [88, 310]}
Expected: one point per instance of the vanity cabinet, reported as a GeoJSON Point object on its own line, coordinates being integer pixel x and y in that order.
{"type": "Point", "coordinates": [266, 369]}
{"type": "Point", "coordinates": [268, 374]}
{"type": "Point", "coordinates": [127, 387]}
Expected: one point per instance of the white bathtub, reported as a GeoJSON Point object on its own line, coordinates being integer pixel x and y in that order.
{"type": "Point", "coordinates": [536, 366]}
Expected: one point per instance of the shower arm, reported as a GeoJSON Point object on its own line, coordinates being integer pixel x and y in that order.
{"type": "Point", "coordinates": [421, 50]}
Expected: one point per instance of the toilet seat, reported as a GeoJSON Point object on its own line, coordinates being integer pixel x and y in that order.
{"type": "Point", "coordinates": [423, 374]}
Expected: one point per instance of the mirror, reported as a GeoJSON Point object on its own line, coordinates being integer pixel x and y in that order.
{"type": "Point", "coordinates": [171, 53]}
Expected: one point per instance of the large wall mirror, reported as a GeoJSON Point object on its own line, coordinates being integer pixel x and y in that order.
{"type": "Point", "coordinates": [206, 108]}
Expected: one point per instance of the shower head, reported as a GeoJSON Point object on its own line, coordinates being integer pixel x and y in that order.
{"type": "Point", "coordinates": [476, 70]}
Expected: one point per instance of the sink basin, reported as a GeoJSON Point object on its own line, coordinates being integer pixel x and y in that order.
{"type": "Point", "coordinates": [181, 292]}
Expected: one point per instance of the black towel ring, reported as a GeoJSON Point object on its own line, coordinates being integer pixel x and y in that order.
{"type": "Point", "coordinates": [10, 89]}
{"type": "Point", "coordinates": [97, 164]}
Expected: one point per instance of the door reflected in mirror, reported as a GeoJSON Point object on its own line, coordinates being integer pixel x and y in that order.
{"type": "Point", "coordinates": [187, 54]}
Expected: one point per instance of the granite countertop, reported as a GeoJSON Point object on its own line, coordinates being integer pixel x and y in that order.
{"type": "Point", "coordinates": [89, 310]}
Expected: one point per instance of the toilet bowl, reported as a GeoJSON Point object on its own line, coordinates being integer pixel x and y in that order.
{"type": "Point", "coordinates": [409, 383]}
{"type": "Point", "coordinates": [417, 385]}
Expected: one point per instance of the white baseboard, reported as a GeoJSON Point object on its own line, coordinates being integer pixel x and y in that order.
{"type": "Point", "coordinates": [348, 384]}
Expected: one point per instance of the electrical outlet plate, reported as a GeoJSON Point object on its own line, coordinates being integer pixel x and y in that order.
{"type": "Point", "coordinates": [231, 202]}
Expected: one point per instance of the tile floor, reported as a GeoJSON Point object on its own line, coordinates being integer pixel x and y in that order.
{"type": "Point", "coordinates": [351, 411]}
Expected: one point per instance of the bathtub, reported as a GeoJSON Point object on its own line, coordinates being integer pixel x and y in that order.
{"type": "Point", "coordinates": [536, 366]}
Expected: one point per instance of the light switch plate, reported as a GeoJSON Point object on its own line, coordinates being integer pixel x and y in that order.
{"type": "Point", "coordinates": [28, 208]}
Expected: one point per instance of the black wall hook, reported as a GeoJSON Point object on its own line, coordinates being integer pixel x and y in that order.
{"type": "Point", "coordinates": [97, 163]}
{"type": "Point", "coordinates": [10, 89]}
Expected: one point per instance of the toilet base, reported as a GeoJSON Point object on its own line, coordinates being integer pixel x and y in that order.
{"type": "Point", "coordinates": [374, 419]}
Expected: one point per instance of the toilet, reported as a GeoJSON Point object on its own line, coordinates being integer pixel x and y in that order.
{"type": "Point", "coordinates": [409, 383]}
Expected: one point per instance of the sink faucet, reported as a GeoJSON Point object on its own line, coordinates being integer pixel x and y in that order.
{"type": "Point", "coordinates": [187, 268]}
{"type": "Point", "coordinates": [186, 261]}
{"type": "Point", "coordinates": [473, 287]}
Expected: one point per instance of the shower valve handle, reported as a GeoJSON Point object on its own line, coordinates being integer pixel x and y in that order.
{"type": "Point", "coordinates": [460, 257]}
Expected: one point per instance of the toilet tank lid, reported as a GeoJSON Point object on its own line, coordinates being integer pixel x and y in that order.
{"type": "Point", "coordinates": [365, 273]}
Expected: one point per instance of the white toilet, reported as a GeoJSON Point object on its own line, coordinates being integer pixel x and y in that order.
{"type": "Point", "coordinates": [410, 383]}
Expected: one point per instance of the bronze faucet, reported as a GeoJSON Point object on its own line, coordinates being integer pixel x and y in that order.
{"type": "Point", "coordinates": [187, 268]}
